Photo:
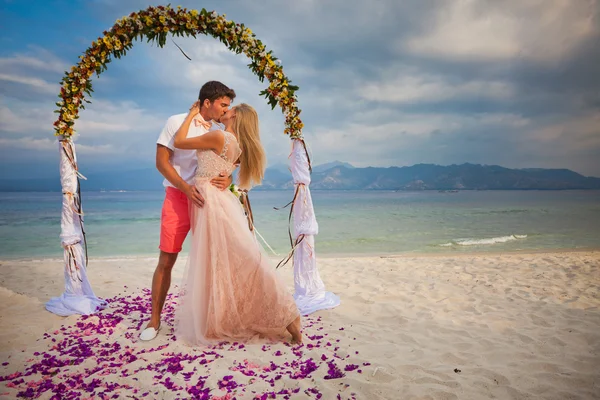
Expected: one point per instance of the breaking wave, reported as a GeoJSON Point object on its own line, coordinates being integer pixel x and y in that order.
{"type": "Point", "coordinates": [483, 241]}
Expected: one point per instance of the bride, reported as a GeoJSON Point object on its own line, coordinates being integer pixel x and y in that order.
{"type": "Point", "coordinates": [229, 292]}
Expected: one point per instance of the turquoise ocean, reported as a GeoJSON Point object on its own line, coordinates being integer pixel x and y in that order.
{"type": "Point", "coordinates": [350, 222]}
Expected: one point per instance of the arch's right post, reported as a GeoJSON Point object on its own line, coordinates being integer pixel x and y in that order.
{"type": "Point", "coordinates": [309, 289]}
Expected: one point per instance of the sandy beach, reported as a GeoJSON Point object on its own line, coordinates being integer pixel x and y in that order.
{"type": "Point", "coordinates": [469, 326]}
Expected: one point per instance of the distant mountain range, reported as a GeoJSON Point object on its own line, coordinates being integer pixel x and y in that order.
{"type": "Point", "coordinates": [452, 177]}
{"type": "Point", "coordinates": [343, 176]}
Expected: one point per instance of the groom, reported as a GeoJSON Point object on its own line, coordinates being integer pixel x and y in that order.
{"type": "Point", "coordinates": [179, 167]}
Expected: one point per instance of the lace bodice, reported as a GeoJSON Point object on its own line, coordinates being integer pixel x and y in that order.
{"type": "Point", "coordinates": [211, 164]}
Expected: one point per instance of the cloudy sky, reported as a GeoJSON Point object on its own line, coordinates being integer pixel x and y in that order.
{"type": "Point", "coordinates": [382, 82]}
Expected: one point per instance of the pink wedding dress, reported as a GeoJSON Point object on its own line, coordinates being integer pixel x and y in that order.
{"type": "Point", "coordinates": [230, 292]}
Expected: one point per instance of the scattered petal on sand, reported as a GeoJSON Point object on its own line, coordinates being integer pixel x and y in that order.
{"type": "Point", "coordinates": [99, 357]}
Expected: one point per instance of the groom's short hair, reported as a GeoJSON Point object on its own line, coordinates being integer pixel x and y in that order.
{"type": "Point", "coordinates": [214, 90]}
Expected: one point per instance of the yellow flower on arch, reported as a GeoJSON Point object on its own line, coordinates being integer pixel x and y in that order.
{"type": "Point", "coordinates": [156, 20]}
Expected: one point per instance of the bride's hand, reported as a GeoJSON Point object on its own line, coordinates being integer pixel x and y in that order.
{"type": "Point", "coordinates": [195, 109]}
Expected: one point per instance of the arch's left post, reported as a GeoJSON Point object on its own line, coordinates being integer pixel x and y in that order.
{"type": "Point", "coordinates": [78, 297]}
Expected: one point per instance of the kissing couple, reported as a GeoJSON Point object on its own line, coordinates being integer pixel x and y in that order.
{"type": "Point", "coordinates": [230, 292]}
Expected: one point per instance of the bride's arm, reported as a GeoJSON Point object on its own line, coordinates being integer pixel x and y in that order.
{"type": "Point", "coordinates": [209, 141]}
{"type": "Point", "coordinates": [212, 140]}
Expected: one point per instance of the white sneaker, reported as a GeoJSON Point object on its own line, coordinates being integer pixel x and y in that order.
{"type": "Point", "coordinates": [149, 334]}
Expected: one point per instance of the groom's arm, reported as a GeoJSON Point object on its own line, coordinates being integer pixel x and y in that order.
{"type": "Point", "coordinates": [164, 166]}
{"type": "Point", "coordinates": [222, 182]}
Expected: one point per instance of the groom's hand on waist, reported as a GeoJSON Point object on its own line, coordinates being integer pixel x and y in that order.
{"type": "Point", "coordinates": [193, 195]}
{"type": "Point", "coordinates": [221, 182]}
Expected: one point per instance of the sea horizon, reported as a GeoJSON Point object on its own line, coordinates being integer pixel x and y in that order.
{"type": "Point", "coordinates": [161, 190]}
{"type": "Point", "coordinates": [123, 223]}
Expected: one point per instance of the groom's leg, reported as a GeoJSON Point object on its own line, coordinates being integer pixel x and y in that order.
{"type": "Point", "coordinates": [174, 227]}
{"type": "Point", "coordinates": [161, 282]}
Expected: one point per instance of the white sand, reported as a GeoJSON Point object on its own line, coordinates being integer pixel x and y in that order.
{"type": "Point", "coordinates": [512, 326]}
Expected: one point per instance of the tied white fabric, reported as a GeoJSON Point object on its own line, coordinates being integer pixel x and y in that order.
{"type": "Point", "coordinates": [309, 290]}
{"type": "Point", "coordinates": [78, 297]}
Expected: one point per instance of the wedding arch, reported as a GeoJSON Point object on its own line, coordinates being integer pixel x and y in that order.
{"type": "Point", "coordinates": [156, 24]}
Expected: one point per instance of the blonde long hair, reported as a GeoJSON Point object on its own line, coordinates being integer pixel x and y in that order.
{"type": "Point", "coordinates": [252, 160]}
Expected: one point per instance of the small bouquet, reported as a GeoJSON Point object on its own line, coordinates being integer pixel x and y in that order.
{"type": "Point", "coordinates": [235, 190]}
{"type": "Point", "coordinates": [242, 196]}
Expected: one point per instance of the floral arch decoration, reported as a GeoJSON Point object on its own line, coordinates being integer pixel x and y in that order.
{"type": "Point", "coordinates": [155, 24]}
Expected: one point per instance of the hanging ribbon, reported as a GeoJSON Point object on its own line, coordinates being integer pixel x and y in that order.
{"type": "Point", "coordinates": [72, 265]}
{"type": "Point", "coordinates": [74, 202]}
{"type": "Point", "coordinates": [301, 140]}
{"type": "Point", "coordinates": [291, 211]}
{"type": "Point", "coordinates": [264, 241]}
{"type": "Point", "coordinates": [299, 240]}
{"type": "Point", "coordinates": [245, 200]}
{"type": "Point", "coordinates": [67, 146]}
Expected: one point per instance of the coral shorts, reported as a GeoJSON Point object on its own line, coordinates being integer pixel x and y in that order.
{"type": "Point", "coordinates": [174, 221]}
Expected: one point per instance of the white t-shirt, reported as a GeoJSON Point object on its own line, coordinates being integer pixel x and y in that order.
{"type": "Point", "coordinates": [185, 162]}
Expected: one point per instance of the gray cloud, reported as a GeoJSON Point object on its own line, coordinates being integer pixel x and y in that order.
{"type": "Point", "coordinates": [382, 83]}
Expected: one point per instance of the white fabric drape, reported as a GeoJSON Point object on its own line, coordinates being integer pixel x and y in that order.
{"type": "Point", "coordinates": [78, 297]}
{"type": "Point", "coordinates": [309, 289]}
